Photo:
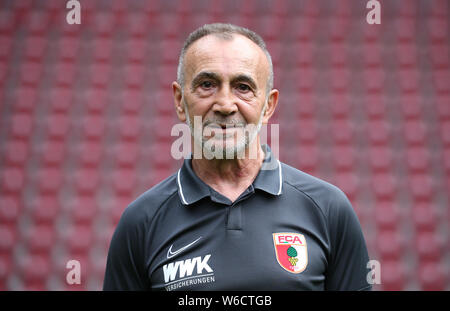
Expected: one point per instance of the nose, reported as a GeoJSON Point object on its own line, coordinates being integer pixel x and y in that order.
{"type": "Point", "coordinates": [225, 102]}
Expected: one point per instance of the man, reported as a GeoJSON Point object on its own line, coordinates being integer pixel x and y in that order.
{"type": "Point", "coordinates": [234, 217]}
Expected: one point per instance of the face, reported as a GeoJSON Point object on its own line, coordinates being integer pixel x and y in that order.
{"type": "Point", "coordinates": [225, 85]}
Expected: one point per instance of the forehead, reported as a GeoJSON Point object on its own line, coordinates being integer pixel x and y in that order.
{"type": "Point", "coordinates": [226, 56]}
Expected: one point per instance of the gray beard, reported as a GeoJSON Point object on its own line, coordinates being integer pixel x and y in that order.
{"type": "Point", "coordinates": [236, 150]}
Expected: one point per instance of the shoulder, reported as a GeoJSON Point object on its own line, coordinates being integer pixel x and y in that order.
{"type": "Point", "coordinates": [148, 203]}
{"type": "Point", "coordinates": [326, 196]}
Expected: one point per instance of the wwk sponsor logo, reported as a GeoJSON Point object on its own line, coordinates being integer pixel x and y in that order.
{"type": "Point", "coordinates": [188, 272]}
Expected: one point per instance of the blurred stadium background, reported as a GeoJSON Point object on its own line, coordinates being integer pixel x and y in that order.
{"type": "Point", "coordinates": [86, 112]}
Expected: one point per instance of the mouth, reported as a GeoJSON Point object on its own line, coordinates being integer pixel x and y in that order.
{"type": "Point", "coordinates": [224, 126]}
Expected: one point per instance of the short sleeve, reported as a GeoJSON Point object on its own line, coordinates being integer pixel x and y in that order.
{"type": "Point", "coordinates": [125, 268]}
{"type": "Point", "coordinates": [347, 267]}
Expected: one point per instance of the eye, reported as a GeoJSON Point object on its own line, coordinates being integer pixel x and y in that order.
{"type": "Point", "coordinates": [206, 85]}
{"type": "Point", "coordinates": [243, 87]}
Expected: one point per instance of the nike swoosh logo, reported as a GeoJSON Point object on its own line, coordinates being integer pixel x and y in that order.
{"type": "Point", "coordinates": [170, 254]}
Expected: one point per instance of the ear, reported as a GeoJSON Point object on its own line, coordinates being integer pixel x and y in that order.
{"type": "Point", "coordinates": [178, 100]}
{"type": "Point", "coordinates": [271, 105]}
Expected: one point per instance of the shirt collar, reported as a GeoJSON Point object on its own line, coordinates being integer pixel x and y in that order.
{"type": "Point", "coordinates": [192, 189]}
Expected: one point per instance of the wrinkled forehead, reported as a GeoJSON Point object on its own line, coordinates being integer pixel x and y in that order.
{"type": "Point", "coordinates": [236, 54]}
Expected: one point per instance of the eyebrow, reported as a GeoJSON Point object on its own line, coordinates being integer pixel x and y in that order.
{"type": "Point", "coordinates": [204, 75]}
{"type": "Point", "coordinates": [213, 76]}
{"type": "Point", "coordinates": [245, 78]}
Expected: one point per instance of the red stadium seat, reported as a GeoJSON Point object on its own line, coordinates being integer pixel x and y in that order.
{"type": "Point", "coordinates": [104, 23]}
{"type": "Point", "coordinates": [137, 24]}
{"type": "Point", "coordinates": [35, 270]}
{"type": "Point", "coordinates": [380, 158]}
{"type": "Point", "coordinates": [171, 53]}
{"type": "Point", "coordinates": [344, 158]}
{"type": "Point", "coordinates": [16, 153]}
{"type": "Point", "coordinates": [10, 209]}
{"type": "Point", "coordinates": [96, 99]}
{"type": "Point", "coordinates": [441, 77]}
{"type": "Point", "coordinates": [424, 217]}
{"type": "Point", "coordinates": [6, 43]}
{"type": "Point", "coordinates": [405, 29]}
{"type": "Point", "coordinates": [306, 26]}
{"type": "Point", "coordinates": [45, 209]}
{"type": "Point", "coordinates": [35, 48]}
{"type": "Point", "coordinates": [126, 154]}
{"type": "Point", "coordinates": [375, 105]}
{"type": "Point", "coordinates": [58, 126]}
{"type": "Point", "coordinates": [349, 183]}
{"type": "Point", "coordinates": [428, 246]}
{"type": "Point", "coordinates": [421, 187]}
{"type": "Point", "coordinates": [102, 49]}
{"type": "Point", "coordinates": [342, 131]}
{"type": "Point", "coordinates": [87, 181]}
{"type": "Point", "coordinates": [408, 80]}
{"type": "Point", "coordinates": [387, 216]}
{"type": "Point", "coordinates": [134, 75]}
{"type": "Point", "coordinates": [40, 239]}
{"type": "Point", "coordinates": [445, 132]}
{"type": "Point", "coordinates": [60, 100]}
{"type": "Point", "coordinates": [64, 74]}
{"type": "Point", "coordinates": [338, 27]}
{"type": "Point", "coordinates": [443, 107]}
{"type": "Point", "coordinates": [132, 101]}
{"type": "Point", "coordinates": [21, 126]}
{"type": "Point", "coordinates": [372, 54]}
{"type": "Point", "coordinates": [339, 54]}
{"type": "Point", "coordinates": [78, 239]}
{"type": "Point", "coordinates": [83, 210]}
{"type": "Point", "coordinates": [124, 182]}
{"type": "Point", "coordinates": [307, 158]}
{"type": "Point", "coordinates": [411, 106]}
{"type": "Point", "coordinates": [53, 153]}
{"type": "Point", "coordinates": [136, 51]}
{"type": "Point", "coordinates": [390, 245]}
{"type": "Point", "coordinates": [340, 79]}
{"type": "Point", "coordinates": [415, 132]}
{"type": "Point", "coordinates": [100, 74]}
{"type": "Point", "coordinates": [418, 160]}
{"type": "Point", "coordinates": [6, 268]}
{"type": "Point", "coordinates": [446, 160]}
{"type": "Point", "coordinates": [49, 180]}
{"type": "Point", "coordinates": [117, 206]}
{"type": "Point", "coordinates": [407, 55]}
{"type": "Point", "coordinates": [440, 56]}
{"type": "Point", "coordinates": [307, 131]}
{"type": "Point", "coordinates": [374, 79]}
{"type": "Point", "coordinates": [384, 186]}
{"type": "Point", "coordinates": [12, 180]}
{"type": "Point", "coordinates": [9, 238]}
{"type": "Point", "coordinates": [25, 99]}
{"type": "Point", "coordinates": [68, 48]}
{"type": "Point", "coordinates": [432, 276]}
{"type": "Point", "coordinates": [89, 154]}
{"type": "Point", "coordinates": [130, 128]}
{"type": "Point", "coordinates": [393, 275]}
{"type": "Point", "coordinates": [378, 132]}
{"type": "Point", "coordinates": [438, 29]}
{"type": "Point", "coordinates": [93, 127]}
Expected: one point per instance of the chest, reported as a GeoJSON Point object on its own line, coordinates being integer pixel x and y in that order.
{"type": "Point", "coordinates": [259, 246]}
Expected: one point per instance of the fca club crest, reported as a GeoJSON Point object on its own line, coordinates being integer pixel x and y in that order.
{"type": "Point", "coordinates": [291, 251]}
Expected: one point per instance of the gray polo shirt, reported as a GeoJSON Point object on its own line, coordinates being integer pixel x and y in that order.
{"type": "Point", "coordinates": [287, 231]}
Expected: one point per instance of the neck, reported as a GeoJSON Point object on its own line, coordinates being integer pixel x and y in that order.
{"type": "Point", "coordinates": [231, 177]}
